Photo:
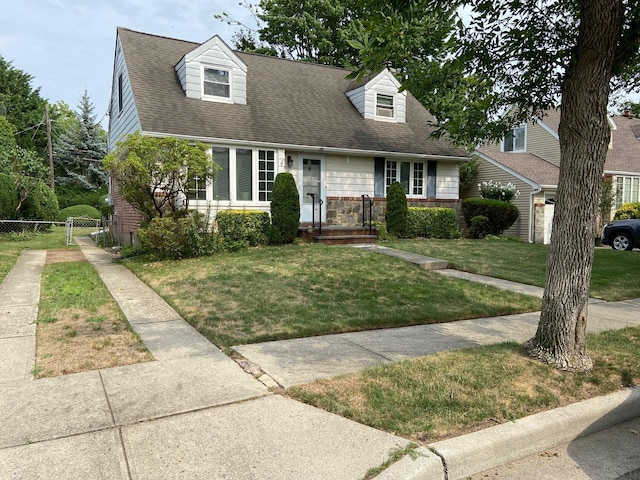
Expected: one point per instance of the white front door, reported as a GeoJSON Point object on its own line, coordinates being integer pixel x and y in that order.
{"type": "Point", "coordinates": [312, 174]}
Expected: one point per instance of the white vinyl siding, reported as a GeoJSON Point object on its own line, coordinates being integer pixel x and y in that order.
{"type": "Point", "coordinates": [365, 98]}
{"type": "Point", "coordinates": [348, 176]}
{"type": "Point", "coordinates": [447, 181]}
{"type": "Point", "coordinates": [213, 54]}
{"type": "Point", "coordinates": [125, 120]}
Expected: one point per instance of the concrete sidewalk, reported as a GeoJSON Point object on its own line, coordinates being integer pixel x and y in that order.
{"type": "Point", "coordinates": [194, 413]}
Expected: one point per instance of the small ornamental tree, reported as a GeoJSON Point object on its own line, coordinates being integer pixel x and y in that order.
{"type": "Point", "coordinates": [154, 174]}
{"type": "Point", "coordinates": [285, 209]}
{"type": "Point", "coordinates": [397, 214]}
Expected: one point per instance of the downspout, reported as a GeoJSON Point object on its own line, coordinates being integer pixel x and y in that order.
{"type": "Point", "coordinates": [532, 225]}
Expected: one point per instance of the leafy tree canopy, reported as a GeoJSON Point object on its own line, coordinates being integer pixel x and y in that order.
{"type": "Point", "coordinates": [154, 174]}
{"type": "Point", "coordinates": [23, 107]}
{"type": "Point", "coordinates": [501, 54]}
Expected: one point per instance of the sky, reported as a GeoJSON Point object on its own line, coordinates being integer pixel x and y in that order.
{"type": "Point", "coordinates": [68, 46]}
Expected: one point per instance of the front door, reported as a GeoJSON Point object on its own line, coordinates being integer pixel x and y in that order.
{"type": "Point", "coordinates": [311, 184]}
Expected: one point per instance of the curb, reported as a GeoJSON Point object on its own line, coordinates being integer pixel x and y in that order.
{"type": "Point", "coordinates": [469, 454]}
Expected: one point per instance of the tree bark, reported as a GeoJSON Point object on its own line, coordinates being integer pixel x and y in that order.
{"type": "Point", "coordinates": [584, 138]}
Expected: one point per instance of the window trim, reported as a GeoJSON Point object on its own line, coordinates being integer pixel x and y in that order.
{"type": "Point", "coordinates": [392, 108]}
{"type": "Point", "coordinates": [120, 92]}
{"type": "Point", "coordinates": [503, 145]}
{"type": "Point", "coordinates": [216, 98]}
{"type": "Point", "coordinates": [392, 172]}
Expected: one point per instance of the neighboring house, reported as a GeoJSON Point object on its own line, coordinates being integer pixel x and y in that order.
{"type": "Point", "coordinates": [530, 158]}
{"type": "Point", "coordinates": [263, 115]}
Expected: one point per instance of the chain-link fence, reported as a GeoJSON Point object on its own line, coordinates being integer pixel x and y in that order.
{"type": "Point", "coordinates": [103, 232]}
{"type": "Point", "coordinates": [28, 226]}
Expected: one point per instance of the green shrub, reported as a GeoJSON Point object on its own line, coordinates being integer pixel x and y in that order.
{"type": "Point", "coordinates": [41, 204]}
{"type": "Point", "coordinates": [8, 197]}
{"type": "Point", "coordinates": [85, 211]}
{"type": "Point", "coordinates": [627, 211]}
{"type": "Point", "coordinates": [479, 226]}
{"type": "Point", "coordinates": [244, 225]}
{"type": "Point", "coordinates": [285, 209]}
{"type": "Point", "coordinates": [396, 216]}
{"type": "Point", "coordinates": [68, 196]}
{"type": "Point", "coordinates": [184, 235]}
{"type": "Point", "coordinates": [501, 215]}
{"type": "Point", "coordinates": [433, 222]}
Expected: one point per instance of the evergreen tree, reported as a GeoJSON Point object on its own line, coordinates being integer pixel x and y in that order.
{"type": "Point", "coordinates": [80, 148]}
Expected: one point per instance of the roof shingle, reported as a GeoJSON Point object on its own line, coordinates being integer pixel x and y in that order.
{"type": "Point", "coordinates": [288, 103]}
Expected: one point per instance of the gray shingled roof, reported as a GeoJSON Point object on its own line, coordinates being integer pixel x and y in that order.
{"type": "Point", "coordinates": [528, 165]}
{"type": "Point", "coordinates": [625, 154]}
{"type": "Point", "coordinates": [288, 103]}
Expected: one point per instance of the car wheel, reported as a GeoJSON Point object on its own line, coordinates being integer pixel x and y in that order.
{"type": "Point", "coordinates": [621, 241]}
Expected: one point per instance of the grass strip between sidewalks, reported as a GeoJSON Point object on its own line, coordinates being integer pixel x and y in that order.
{"type": "Point", "coordinates": [453, 393]}
{"type": "Point", "coordinates": [80, 326]}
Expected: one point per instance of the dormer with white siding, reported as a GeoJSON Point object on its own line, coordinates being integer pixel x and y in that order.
{"type": "Point", "coordinates": [213, 72]}
{"type": "Point", "coordinates": [380, 99]}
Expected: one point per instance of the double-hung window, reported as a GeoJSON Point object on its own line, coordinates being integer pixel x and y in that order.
{"type": "Point", "coordinates": [216, 82]}
{"type": "Point", "coordinates": [385, 106]}
{"type": "Point", "coordinates": [514, 141]}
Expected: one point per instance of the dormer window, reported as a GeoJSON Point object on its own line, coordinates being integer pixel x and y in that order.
{"type": "Point", "coordinates": [384, 106]}
{"type": "Point", "coordinates": [514, 141]}
{"type": "Point", "coordinates": [216, 83]}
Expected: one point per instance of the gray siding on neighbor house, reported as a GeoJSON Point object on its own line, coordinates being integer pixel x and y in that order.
{"type": "Point", "coordinates": [121, 121]}
{"type": "Point", "coordinates": [542, 143]}
{"type": "Point", "coordinates": [487, 172]}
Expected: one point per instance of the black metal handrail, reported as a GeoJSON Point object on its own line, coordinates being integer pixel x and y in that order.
{"type": "Point", "coordinates": [370, 213]}
{"type": "Point", "coordinates": [313, 212]}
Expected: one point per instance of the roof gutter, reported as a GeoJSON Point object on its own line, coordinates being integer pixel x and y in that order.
{"type": "Point", "coordinates": [532, 223]}
{"type": "Point", "coordinates": [308, 148]}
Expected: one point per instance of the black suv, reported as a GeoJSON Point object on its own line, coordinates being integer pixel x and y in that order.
{"type": "Point", "coordinates": [622, 234]}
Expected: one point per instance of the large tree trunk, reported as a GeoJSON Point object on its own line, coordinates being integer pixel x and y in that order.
{"type": "Point", "coordinates": [584, 138]}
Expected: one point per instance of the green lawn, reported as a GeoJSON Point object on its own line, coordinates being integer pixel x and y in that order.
{"type": "Point", "coordinates": [448, 394]}
{"type": "Point", "coordinates": [303, 290]}
{"type": "Point", "coordinates": [615, 275]}
{"type": "Point", "coordinates": [12, 244]}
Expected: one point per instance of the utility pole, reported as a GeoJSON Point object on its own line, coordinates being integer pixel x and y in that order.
{"type": "Point", "coordinates": [50, 150]}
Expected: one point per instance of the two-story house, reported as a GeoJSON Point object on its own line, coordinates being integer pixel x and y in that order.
{"type": "Point", "coordinates": [529, 157]}
{"type": "Point", "coordinates": [262, 115]}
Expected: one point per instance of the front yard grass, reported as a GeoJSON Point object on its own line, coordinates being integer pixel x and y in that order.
{"type": "Point", "coordinates": [453, 393]}
{"type": "Point", "coordinates": [615, 275]}
{"type": "Point", "coordinates": [274, 293]}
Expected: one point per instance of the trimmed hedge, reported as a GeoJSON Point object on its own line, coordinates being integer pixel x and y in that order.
{"type": "Point", "coordinates": [501, 215]}
{"type": "Point", "coordinates": [396, 216]}
{"type": "Point", "coordinates": [432, 222]}
{"type": "Point", "coordinates": [627, 211]}
{"type": "Point", "coordinates": [244, 226]}
{"type": "Point", "coordinates": [86, 211]}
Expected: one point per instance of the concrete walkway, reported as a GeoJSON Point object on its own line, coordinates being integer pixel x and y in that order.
{"type": "Point", "coordinates": [194, 413]}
